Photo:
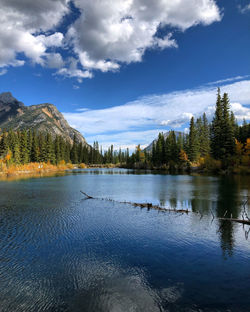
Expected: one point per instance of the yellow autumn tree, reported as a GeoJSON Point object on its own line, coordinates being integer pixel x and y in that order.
{"type": "Point", "coordinates": [183, 156]}
{"type": "Point", "coordinates": [246, 155]}
{"type": "Point", "coordinates": [140, 156]}
{"type": "Point", "coordinates": [7, 158]}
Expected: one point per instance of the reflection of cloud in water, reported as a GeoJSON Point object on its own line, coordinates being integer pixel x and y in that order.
{"type": "Point", "coordinates": [116, 290]}
{"type": "Point", "coordinates": [110, 287]}
{"type": "Point", "coordinates": [172, 294]}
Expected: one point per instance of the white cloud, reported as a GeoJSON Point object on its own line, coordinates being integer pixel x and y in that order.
{"type": "Point", "coordinates": [140, 121]}
{"type": "Point", "coordinates": [54, 60]}
{"type": "Point", "coordinates": [72, 70]}
{"type": "Point", "coordinates": [241, 111]}
{"type": "Point", "coordinates": [21, 25]}
{"type": "Point", "coordinates": [244, 9]}
{"type": "Point", "coordinates": [218, 82]}
{"type": "Point", "coordinates": [3, 72]}
{"type": "Point", "coordinates": [54, 40]}
{"type": "Point", "coordinates": [106, 34]}
{"type": "Point", "coordinates": [127, 139]}
{"type": "Point", "coordinates": [109, 32]}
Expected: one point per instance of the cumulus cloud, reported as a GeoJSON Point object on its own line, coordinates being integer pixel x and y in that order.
{"type": "Point", "coordinates": [22, 25]}
{"type": "Point", "coordinates": [54, 60]}
{"type": "Point", "coordinates": [141, 120]}
{"type": "Point", "coordinates": [71, 70]}
{"type": "Point", "coordinates": [105, 35]}
{"type": "Point", "coordinates": [108, 32]}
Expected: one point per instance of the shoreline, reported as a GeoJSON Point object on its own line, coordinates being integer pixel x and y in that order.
{"type": "Point", "coordinates": [44, 169]}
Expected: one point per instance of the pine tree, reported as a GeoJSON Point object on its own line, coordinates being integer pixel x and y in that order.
{"type": "Point", "coordinates": [4, 144]}
{"type": "Point", "coordinates": [42, 148]}
{"type": "Point", "coordinates": [29, 144]}
{"type": "Point", "coordinates": [192, 146]}
{"type": "Point", "coordinates": [217, 129]}
{"type": "Point", "coordinates": [154, 158]}
{"type": "Point", "coordinates": [228, 131]}
{"type": "Point", "coordinates": [24, 147]}
{"type": "Point", "coordinates": [204, 138]}
{"type": "Point", "coordinates": [16, 153]}
{"type": "Point", "coordinates": [73, 152]}
{"type": "Point", "coordinates": [159, 149]}
{"type": "Point", "coordinates": [57, 148]}
{"type": "Point", "coordinates": [35, 149]}
{"type": "Point", "coordinates": [50, 153]}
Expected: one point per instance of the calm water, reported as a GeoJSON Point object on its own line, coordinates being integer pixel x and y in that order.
{"type": "Point", "coordinates": [62, 252]}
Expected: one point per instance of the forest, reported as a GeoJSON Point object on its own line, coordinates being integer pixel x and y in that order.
{"type": "Point", "coordinates": [219, 145]}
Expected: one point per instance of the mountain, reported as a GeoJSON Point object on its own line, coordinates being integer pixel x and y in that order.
{"type": "Point", "coordinates": [42, 117]}
{"type": "Point", "coordinates": [166, 134]}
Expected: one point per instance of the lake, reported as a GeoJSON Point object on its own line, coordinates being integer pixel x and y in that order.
{"type": "Point", "coordinates": [62, 252]}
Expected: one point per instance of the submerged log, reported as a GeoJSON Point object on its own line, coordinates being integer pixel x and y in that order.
{"type": "Point", "coordinates": [236, 220]}
{"type": "Point", "coordinates": [141, 205]}
{"type": "Point", "coordinates": [159, 208]}
{"type": "Point", "coordinates": [90, 197]}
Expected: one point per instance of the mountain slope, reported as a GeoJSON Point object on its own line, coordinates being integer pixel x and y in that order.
{"type": "Point", "coordinates": [42, 117]}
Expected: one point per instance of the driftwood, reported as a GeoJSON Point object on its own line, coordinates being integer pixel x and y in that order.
{"type": "Point", "coordinates": [243, 221]}
{"type": "Point", "coordinates": [141, 205]}
{"type": "Point", "coordinates": [86, 195]}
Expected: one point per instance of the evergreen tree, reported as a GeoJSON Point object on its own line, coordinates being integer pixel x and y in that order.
{"type": "Point", "coordinates": [73, 152]}
{"type": "Point", "coordinates": [29, 144]}
{"type": "Point", "coordinates": [42, 148]}
{"type": "Point", "coordinates": [16, 153]}
{"type": "Point", "coordinates": [50, 153]}
{"type": "Point", "coordinates": [4, 144]}
{"type": "Point", "coordinates": [24, 147]}
{"type": "Point", "coordinates": [227, 129]}
{"type": "Point", "coordinates": [193, 145]}
{"type": "Point", "coordinates": [217, 129]}
{"type": "Point", "coordinates": [35, 149]}
{"type": "Point", "coordinates": [58, 155]}
{"type": "Point", "coordinates": [204, 137]}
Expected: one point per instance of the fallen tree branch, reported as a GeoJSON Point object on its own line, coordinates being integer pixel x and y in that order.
{"type": "Point", "coordinates": [90, 197]}
{"type": "Point", "coordinates": [141, 205]}
{"type": "Point", "coordinates": [236, 220]}
{"type": "Point", "coordinates": [159, 208]}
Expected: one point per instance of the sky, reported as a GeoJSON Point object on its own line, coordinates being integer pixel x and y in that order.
{"type": "Point", "coordinates": [122, 71]}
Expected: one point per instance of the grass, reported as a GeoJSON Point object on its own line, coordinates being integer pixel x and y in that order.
{"type": "Point", "coordinates": [31, 168]}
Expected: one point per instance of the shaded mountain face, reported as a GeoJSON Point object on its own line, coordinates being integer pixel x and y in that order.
{"type": "Point", "coordinates": [149, 148]}
{"type": "Point", "coordinates": [42, 117]}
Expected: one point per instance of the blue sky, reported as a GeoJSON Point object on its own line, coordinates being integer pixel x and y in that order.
{"type": "Point", "coordinates": [123, 71]}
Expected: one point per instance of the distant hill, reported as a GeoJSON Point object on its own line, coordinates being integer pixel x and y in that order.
{"type": "Point", "coordinates": [166, 134]}
{"type": "Point", "coordinates": [42, 117]}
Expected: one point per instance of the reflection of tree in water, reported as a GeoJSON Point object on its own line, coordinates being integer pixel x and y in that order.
{"type": "Point", "coordinates": [200, 201]}
{"type": "Point", "coordinates": [166, 193]}
{"type": "Point", "coordinates": [227, 201]}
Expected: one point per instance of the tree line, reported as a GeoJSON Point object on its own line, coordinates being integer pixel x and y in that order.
{"type": "Point", "coordinates": [217, 145]}
{"type": "Point", "coordinates": [27, 146]}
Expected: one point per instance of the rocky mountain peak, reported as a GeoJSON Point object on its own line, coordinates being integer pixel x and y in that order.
{"type": "Point", "coordinates": [8, 99]}
{"type": "Point", "coordinates": [42, 118]}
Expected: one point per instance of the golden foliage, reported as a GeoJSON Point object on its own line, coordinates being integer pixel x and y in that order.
{"type": "Point", "coordinates": [42, 167]}
{"type": "Point", "coordinates": [82, 166]}
{"type": "Point", "coordinates": [211, 164]}
{"type": "Point", "coordinates": [183, 156]}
